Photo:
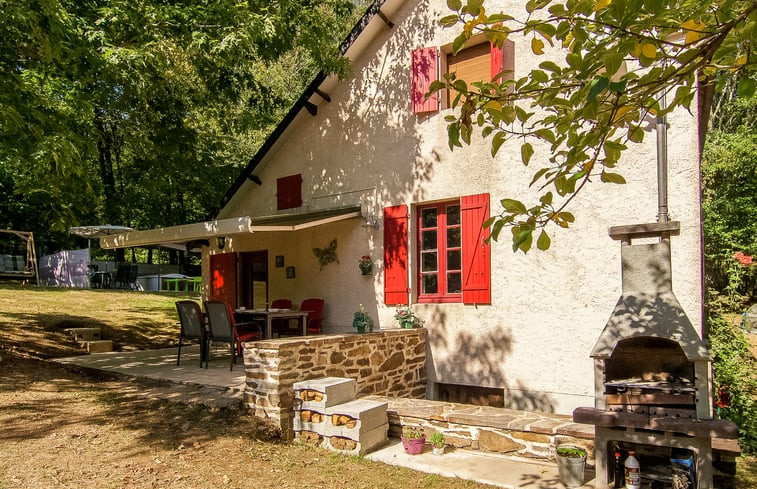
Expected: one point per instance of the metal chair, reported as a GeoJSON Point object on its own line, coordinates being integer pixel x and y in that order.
{"type": "Point", "coordinates": [192, 327]}
{"type": "Point", "coordinates": [223, 329]}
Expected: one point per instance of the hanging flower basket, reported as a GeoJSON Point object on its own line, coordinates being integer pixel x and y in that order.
{"type": "Point", "coordinates": [366, 265]}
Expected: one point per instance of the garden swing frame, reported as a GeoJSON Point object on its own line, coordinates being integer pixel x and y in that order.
{"type": "Point", "coordinates": [30, 268]}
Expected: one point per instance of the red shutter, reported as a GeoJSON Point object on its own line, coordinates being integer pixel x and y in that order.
{"type": "Point", "coordinates": [395, 255]}
{"type": "Point", "coordinates": [223, 278]}
{"type": "Point", "coordinates": [424, 71]}
{"type": "Point", "coordinates": [289, 192]}
{"type": "Point", "coordinates": [476, 251]}
{"type": "Point", "coordinates": [502, 59]}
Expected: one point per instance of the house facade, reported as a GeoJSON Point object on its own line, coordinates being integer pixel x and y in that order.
{"type": "Point", "coordinates": [362, 167]}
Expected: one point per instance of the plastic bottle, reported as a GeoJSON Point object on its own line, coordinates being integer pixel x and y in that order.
{"type": "Point", "coordinates": [633, 472]}
{"type": "Point", "coordinates": [619, 471]}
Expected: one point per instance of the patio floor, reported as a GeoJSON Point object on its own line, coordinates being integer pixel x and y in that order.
{"type": "Point", "coordinates": [217, 386]}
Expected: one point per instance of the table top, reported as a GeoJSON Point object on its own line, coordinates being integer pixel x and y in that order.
{"type": "Point", "coordinates": [270, 311]}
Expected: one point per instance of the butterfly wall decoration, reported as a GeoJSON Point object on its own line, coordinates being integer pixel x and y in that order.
{"type": "Point", "coordinates": [326, 255]}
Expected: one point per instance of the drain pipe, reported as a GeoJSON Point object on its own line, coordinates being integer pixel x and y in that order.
{"type": "Point", "coordinates": [662, 164]}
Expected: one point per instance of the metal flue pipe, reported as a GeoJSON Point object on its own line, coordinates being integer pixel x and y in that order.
{"type": "Point", "coordinates": [662, 164]}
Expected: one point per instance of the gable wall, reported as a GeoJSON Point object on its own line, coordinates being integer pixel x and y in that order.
{"type": "Point", "coordinates": [548, 308]}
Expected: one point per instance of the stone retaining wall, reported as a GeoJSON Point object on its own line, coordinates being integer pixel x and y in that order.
{"type": "Point", "coordinates": [498, 430]}
{"type": "Point", "coordinates": [389, 363]}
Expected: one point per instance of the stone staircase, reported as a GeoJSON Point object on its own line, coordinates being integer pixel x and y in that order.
{"type": "Point", "coordinates": [90, 339]}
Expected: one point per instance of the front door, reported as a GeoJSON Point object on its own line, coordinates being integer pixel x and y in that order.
{"type": "Point", "coordinates": [253, 268]}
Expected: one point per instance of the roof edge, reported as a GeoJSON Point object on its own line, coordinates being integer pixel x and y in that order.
{"type": "Point", "coordinates": [349, 40]}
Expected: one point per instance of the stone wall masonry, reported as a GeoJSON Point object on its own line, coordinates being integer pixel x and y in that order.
{"type": "Point", "coordinates": [388, 363]}
{"type": "Point", "coordinates": [498, 430]}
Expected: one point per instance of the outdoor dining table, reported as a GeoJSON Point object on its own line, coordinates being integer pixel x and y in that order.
{"type": "Point", "coordinates": [268, 315]}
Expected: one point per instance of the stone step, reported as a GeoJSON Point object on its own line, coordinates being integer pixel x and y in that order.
{"type": "Point", "coordinates": [369, 441]}
{"type": "Point", "coordinates": [84, 334]}
{"type": "Point", "coordinates": [318, 394]}
{"type": "Point", "coordinates": [353, 419]}
{"type": "Point", "coordinates": [98, 346]}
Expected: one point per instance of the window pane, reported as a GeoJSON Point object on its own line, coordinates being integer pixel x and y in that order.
{"type": "Point", "coordinates": [453, 237]}
{"type": "Point", "coordinates": [454, 282]}
{"type": "Point", "coordinates": [454, 260]}
{"type": "Point", "coordinates": [429, 241]}
{"type": "Point", "coordinates": [453, 215]}
{"type": "Point", "coordinates": [430, 284]}
{"type": "Point", "coordinates": [429, 262]}
{"type": "Point", "coordinates": [428, 218]}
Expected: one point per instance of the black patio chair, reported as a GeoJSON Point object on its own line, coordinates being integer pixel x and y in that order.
{"type": "Point", "coordinates": [121, 280]}
{"type": "Point", "coordinates": [133, 272]}
{"type": "Point", "coordinates": [222, 329]}
{"type": "Point", "coordinates": [192, 327]}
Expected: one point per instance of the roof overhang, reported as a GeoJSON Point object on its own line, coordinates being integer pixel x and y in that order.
{"type": "Point", "coordinates": [191, 236]}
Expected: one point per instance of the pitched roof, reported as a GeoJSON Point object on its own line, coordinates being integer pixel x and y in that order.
{"type": "Point", "coordinates": [372, 13]}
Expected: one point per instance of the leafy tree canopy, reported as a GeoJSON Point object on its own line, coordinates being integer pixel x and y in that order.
{"type": "Point", "coordinates": [621, 57]}
{"type": "Point", "coordinates": [142, 112]}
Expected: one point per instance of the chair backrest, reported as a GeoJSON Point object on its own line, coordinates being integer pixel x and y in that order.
{"type": "Point", "coordinates": [281, 304]}
{"type": "Point", "coordinates": [122, 272]}
{"type": "Point", "coordinates": [190, 317]}
{"type": "Point", "coordinates": [220, 320]}
{"type": "Point", "coordinates": [314, 308]}
{"type": "Point", "coordinates": [133, 272]}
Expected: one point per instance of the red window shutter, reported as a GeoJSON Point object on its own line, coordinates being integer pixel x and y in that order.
{"type": "Point", "coordinates": [223, 278]}
{"type": "Point", "coordinates": [424, 71]}
{"type": "Point", "coordinates": [395, 255]}
{"type": "Point", "coordinates": [476, 251]}
{"type": "Point", "coordinates": [289, 192]}
{"type": "Point", "coordinates": [502, 59]}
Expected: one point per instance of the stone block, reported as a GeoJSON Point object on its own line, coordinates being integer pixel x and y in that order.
{"type": "Point", "coordinates": [492, 441]}
{"type": "Point", "coordinates": [369, 441]}
{"type": "Point", "coordinates": [99, 346]}
{"type": "Point", "coordinates": [354, 418]}
{"type": "Point", "coordinates": [318, 394]}
{"type": "Point", "coordinates": [84, 334]}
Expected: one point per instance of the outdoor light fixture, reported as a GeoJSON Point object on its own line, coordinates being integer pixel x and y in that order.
{"type": "Point", "coordinates": [255, 179]}
{"type": "Point", "coordinates": [221, 242]}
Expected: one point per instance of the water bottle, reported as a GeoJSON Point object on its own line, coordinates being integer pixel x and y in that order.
{"type": "Point", "coordinates": [633, 472]}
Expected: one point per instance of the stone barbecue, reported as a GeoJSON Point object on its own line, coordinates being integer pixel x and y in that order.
{"type": "Point", "coordinates": [652, 371]}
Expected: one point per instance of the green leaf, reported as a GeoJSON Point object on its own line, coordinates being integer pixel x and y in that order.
{"type": "Point", "coordinates": [523, 240]}
{"type": "Point", "coordinates": [597, 85]}
{"type": "Point", "coordinates": [513, 206]}
{"type": "Point", "coordinates": [546, 199]}
{"type": "Point", "coordinates": [539, 76]}
{"type": "Point", "coordinates": [544, 242]}
{"type": "Point", "coordinates": [636, 134]}
{"type": "Point", "coordinates": [612, 61]}
{"type": "Point", "coordinates": [550, 66]}
{"type": "Point", "coordinates": [497, 141]}
{"type": "Point", "coordinates": [459, 43]}
{"type": "Point", "coordinates": [526, 152]}
{"type": "Point", "coordinates": [546, 135]}
{"type": "Point", "coordinates": [474, 6]}
{"type": "Point", "coordinates": [448, 20]}
{"type": "Point", "coordinates": [454, 4]}
{"type": "Point", "coordinates": [538, 175]}
{"type": "Point", "coordinates": [746, 87]}
{"type": "Point", "coordinates": [612, 177]}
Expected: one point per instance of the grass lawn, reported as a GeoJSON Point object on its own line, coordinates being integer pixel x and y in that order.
{"type": "Point", "coordinates": [65, 428]}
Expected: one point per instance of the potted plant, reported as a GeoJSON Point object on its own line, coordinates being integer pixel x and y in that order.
{"type": "Point", "coordinates": [407, 318]}
{"type": "Point", "coordinates": [365, 264]}
{"type": "Point", "coordinates": [437, 443]}
{"type": "Point", "coordinates": [362, 321]}
{"type": "Point", "coordinates": [571, 462]}
{"type": "Point", "coordinates": [413, 439]}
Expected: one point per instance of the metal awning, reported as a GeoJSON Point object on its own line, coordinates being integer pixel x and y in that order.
{"type": "Point", "coordinates": [191, 236]}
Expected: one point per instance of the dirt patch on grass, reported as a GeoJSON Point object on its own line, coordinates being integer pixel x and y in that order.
{"type": "Point", "coordinates": [64, 428]}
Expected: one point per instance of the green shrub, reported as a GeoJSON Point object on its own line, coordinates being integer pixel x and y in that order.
{"type": "Point", "coordinates": [733, 379]}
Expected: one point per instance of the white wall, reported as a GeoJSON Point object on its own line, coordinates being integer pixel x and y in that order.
{"type": "Point", "coordinates": [548, 307]}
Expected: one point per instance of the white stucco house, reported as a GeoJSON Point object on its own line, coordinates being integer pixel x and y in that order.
{"type": "Point", "coordinates": [359, 167]}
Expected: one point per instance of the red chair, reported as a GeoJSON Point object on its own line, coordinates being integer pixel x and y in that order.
{"type": "Point", "coordinates": [280, 325]}
{"type": "Point", "coordinates": [314, 308]}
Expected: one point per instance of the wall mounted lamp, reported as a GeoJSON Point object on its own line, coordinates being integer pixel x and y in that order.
{"type": "Point", "coordinates": [221, 242]}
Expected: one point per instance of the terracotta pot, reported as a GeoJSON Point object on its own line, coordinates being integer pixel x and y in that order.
{"type": "Point", "coordinates": [413, 446]}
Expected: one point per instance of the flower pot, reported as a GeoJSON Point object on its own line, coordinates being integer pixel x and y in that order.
{"type": "Point", "coordinates": [407, 324]}
{"type": "Point", "coordinates": [571, 467]}
{"type": "Point", "coordinates": [413, 446]}
{"type": "Point", "coordinates": [366, 269]}
{"type": "Point", "coordinates": [360, 329]}
{"type": "Point", "coordinates": [438, 450]}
